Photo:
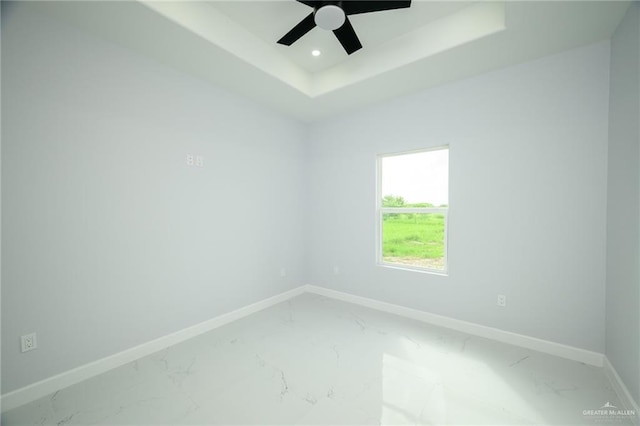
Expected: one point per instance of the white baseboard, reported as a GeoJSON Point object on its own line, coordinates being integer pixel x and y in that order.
{"type": "Point", "coordinates": [621, 389]}
{"type": "Point", "coordinates": [553, 348]}
{"type": "Point", "coordinates": [44, 387]}
{"type": "Point", "coordinates": [39, 389]}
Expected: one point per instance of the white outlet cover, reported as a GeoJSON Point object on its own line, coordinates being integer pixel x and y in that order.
{"type": "Point", "coordinates": [28, 342]}
{"type": "Point", "coordinates": [189, 160]}
{"type": "Point", "coordinates": [502, 300]}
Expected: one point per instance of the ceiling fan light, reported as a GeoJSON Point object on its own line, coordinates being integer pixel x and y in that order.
{"type": "Point", "coordinates": [330, 17]}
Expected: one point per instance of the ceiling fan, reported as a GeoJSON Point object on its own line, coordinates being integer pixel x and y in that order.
{"type": "Point", "coordinates": [332, 16]}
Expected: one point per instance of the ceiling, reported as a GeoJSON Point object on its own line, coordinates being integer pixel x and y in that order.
{"type": "Point", "coordinates": [373, 29]}
{"type": "Point", "coordinates": [233, 44]}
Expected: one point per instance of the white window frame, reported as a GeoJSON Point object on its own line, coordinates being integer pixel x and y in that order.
{"type": "Point", "coordinates": [382, 210]}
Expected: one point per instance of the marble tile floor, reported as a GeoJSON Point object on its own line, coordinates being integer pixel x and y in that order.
{"type": "Point", "coordinates": [319, 361]}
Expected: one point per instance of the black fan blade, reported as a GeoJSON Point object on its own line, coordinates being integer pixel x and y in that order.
{"type": "Point", "coordinates": [303, 27]}
{"type": "Point", "coordinates": [353, 7]}
{"type": "Point", "coordinates": [347, 37]}
{"type": "Point", "coordinates": [311, 3]}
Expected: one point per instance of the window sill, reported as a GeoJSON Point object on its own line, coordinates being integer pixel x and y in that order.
{"type": "Point", "coordinates": [410, 268]}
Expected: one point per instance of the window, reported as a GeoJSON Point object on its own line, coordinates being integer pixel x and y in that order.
{"type": "Point", "coordinates": [413, 207]}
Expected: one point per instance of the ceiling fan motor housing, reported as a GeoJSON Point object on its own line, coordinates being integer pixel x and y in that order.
{"type": "Point", "coordinates": [329, 16]}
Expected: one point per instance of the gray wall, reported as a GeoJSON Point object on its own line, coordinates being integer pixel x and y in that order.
{"type": "Point", "coordinates": [109, 239]}
{"type": "Point", "coordinates": [528, 169]}
{"type": "Point", "coordinates": [623, 212]}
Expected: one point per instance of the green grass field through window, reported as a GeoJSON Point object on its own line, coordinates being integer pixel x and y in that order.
{"type": "Point", "coordinates": [413, 239]}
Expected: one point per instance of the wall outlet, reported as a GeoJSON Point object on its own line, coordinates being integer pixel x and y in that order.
{"type": "Point", "coordinates": [199, 161]}
{"type": "Point", "coordinates": [190, 160]}
{"type": "Point", "coordinates": [28, 342]}
{"type": "Point", "coordinates": [502, 300]}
